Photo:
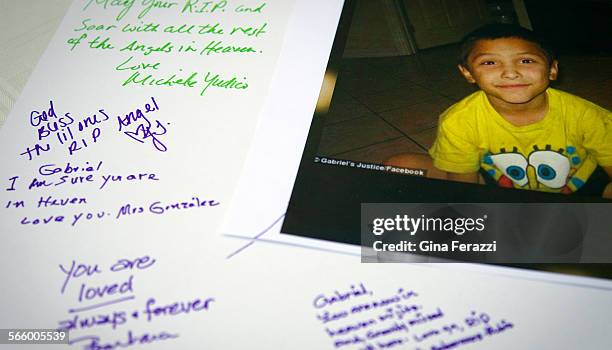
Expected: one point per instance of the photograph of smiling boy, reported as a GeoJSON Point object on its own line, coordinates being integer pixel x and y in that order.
{"type": "Point", "coordinates": [516, 131]}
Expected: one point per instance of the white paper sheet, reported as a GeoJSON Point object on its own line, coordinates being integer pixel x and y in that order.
{"type": "Point", "coordinates": [401, 306]}
{"type": "Point", "coordinates": [290, 110]}
{"type": "Point", "coordinates": [106, 166]}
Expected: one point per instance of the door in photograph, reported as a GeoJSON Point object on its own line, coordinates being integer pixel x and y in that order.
{"type": "Point", "coordinates": [441, 22]}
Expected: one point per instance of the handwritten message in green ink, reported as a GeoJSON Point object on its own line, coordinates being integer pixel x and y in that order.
{"type": "Point", "coordinates": [154, 52]}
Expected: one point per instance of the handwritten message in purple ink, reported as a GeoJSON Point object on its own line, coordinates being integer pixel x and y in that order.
{"type": "Point", "coordinates": [358, 318]}
{"type": "Point", "coordinates": [108, 297]}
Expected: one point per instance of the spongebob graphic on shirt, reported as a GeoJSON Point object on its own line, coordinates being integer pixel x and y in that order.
{"type": "Point", "coordinates": [558, 170]}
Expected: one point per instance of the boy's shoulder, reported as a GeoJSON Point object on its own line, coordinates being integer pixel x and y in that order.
{"type": "Point", "coordinates": [573, 105]}
{"type": "Point", "coordinates": [467, 110]}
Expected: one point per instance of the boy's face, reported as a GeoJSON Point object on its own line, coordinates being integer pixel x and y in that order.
{"type": "Point", "coordinates": [510, 70]}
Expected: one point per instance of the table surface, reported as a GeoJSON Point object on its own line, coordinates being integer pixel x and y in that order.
{"type": "Point", "coordinates": [26, 27]}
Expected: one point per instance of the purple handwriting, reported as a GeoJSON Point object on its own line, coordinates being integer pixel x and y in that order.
{"type": "Point", "coordinates": [76, 133]}
{"type": "Point", "coordinates": [156, 207]}
{"type": "Point", "coordinates": [12, 186]}
{"type": "Point", "coordinates": [145, 129]}
{"type": "Point", "coordinates": [35, 151]}
{"type": "Point", "coordinates": [443, 345]}
{"type": "Point", "coordinates": [140, 263]}
{"type": "Point", "coordinates": [151, 312]}
{"type": "Point", "coordinates": [93, 293]}
{"type": "Point", "coordinates": [68, 176]}
{"type": "Point", "coordinates": [91, 317]}
{"type": "Point", "coordinates": [400, 311]}
{"type": "Point", "coordinates": [421, 317]}
{"type": "Point", "coordinates": [159, 208]}
{"type": "Point", "coordinates": [49, 201]}
{"type": "Point", "coordinates": [82, 270]}
{"type": "Point", "coordinates": [119, 178]}
{"type": "Point", "coordinates": [52, 169]}
{"type": "Point", "coordinates": [112, 319]}
{"type": "Point", "coordinates": [94, 342]}
{"type": "Point", "coordinates": [55, 219]}
{"type": "Point", "coordinates": [383, 323]}
{"type": "Point", "coordinates": [322, 300]}
{"type": "Point", "coordinates": [77, 270]}
{"type": "Point", "coordinates": [176, 308]}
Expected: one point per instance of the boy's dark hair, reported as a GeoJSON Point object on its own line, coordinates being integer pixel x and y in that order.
{"type": "Point", "coordinates": [500, 31]}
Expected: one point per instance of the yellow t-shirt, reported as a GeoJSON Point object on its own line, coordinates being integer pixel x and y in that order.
{"type": "Point", "coordinates": [557, 153]}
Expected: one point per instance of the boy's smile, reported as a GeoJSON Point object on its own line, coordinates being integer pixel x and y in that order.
{"type": "Point", "coordinates": [511, 71]}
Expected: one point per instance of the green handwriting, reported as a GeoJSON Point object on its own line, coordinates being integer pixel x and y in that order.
{"type": "Point", "coordinates": [126, 6]}
{"type": "Point", "coordinates": [208, 29]}
{"type": "Point", "coordinates": [204, 6]}
{"type": "Point", "coordinates": [211, 80]}
{"type": "Point", "coordinates": [184, 28]}
{"type": "Point", "coordinates": [73, 42]}
{"type": "Point", "coordinates": [151, 4]}
{"type": "Point", "coordinates": [140, 28]}
{"type": "Point", "coordinates": [189, 6]}
{"type": "Point", "coordinates": [86, 26]}
{"type": "Point", "coordinates": [250, 31]}
{"type": "Point", "coordinates": [147, 50]}
{"type": "Point", "coordinates": [129, 65]}
{"type": "Point", "coordinates": [213, 47]}
{"type": "Point", "coordinates": [218, 47]}
{"type": "Point", "coordinates": [244, 9]}
{"type": "Point", "coordinates": [187, 48]}
{"type": "Point", "coordinates": [138, 78]}
{"type": "Point", "coordinates": [101, 44]}
{"type": "Point", "coordinates": [216, 81]}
